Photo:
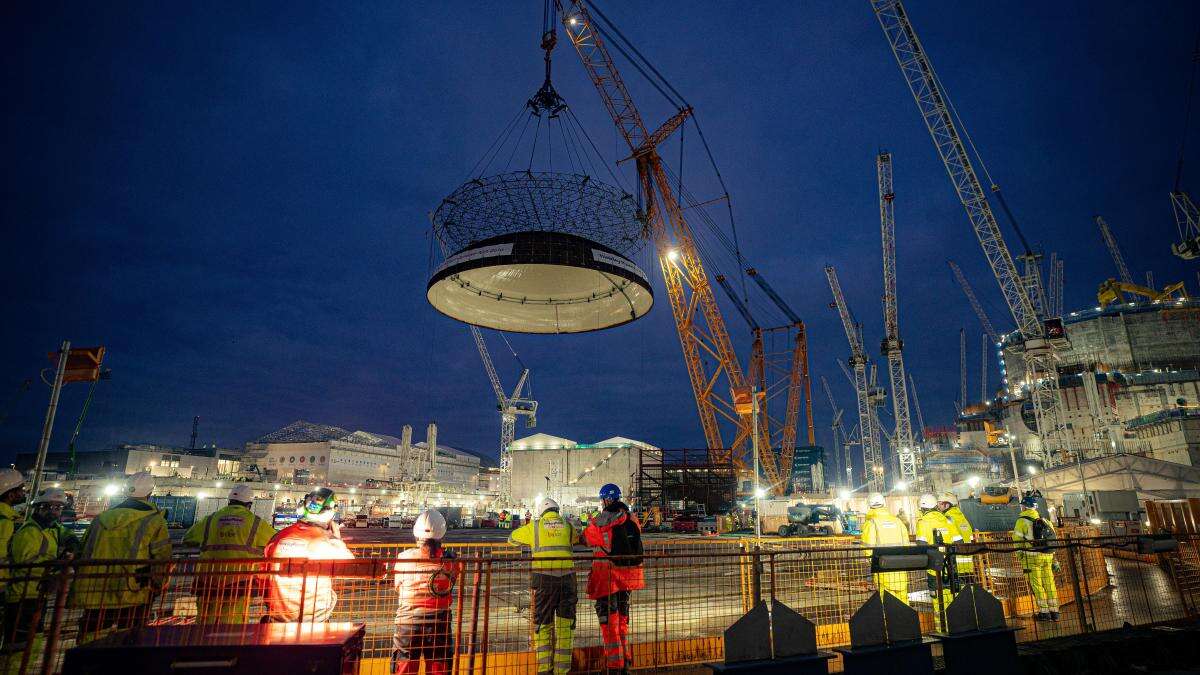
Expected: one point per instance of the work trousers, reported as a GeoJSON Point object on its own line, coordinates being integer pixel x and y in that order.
{"type": "Point", "coordinates": [554, 599]}
{"type": "Point", "coordinates": [431, 639]}
{"type": "Point", "coordinates": [23, 631]}
{"type": "Point", "coordinates": [895, 583]}
{"type": "Point", "coordinates": [613, 613]}
{"type": "Point", "coordinates": [1039, 572]}
{"type": "Point", "coordinates": [939, 604]}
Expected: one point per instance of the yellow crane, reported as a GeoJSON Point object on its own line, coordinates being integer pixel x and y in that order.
{"type": "Point", "coordinates": [1112, 291]}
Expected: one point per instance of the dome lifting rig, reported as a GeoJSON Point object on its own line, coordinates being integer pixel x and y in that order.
{"type": "Point", "coordinates": [698, 320]}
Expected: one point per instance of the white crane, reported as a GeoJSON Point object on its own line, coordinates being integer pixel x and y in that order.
{"type": "Point", "coordinates": [912, 386]}
{"type": "Point", "coordinates": [903, 443]}
{"type": "Point", "coordinates": [841, 441]}
{"type": "Point", "coordinates": [510, 407]}
{"type": "Point", "coordinates": [962, 371]}
{"type": "Point", "coordinates": [868, 430]}
{"type": "Point", "coordinates": [1041, 373]}
{"type": "Point", "coordinates": [974, 300]}
{"type": "Point", "coordinates": [1111, 242]}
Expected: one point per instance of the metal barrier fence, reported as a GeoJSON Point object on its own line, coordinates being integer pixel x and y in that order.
{"type": "Point", "coordinates": [695, 589]}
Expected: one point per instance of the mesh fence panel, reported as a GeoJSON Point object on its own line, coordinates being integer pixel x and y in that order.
{"type": "Point", "coordinates": [482, 619]}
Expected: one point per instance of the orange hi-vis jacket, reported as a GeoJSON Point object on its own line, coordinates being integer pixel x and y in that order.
{"type": "Point", "coordinates": [424, 584]}
{"type": "Point", "coordinates": [314, 584]}
{"type": "Point", "coordinates": [605, 577]}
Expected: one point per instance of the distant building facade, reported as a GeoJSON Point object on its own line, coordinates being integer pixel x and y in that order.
{"type": "Point", "coordinates": [572, 472]}
{"type": "Point", "coordinates": [163, 461]}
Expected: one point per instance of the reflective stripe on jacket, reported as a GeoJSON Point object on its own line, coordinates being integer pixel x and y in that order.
{"type": "Point", "coordinates": [956, 516]}
{"type": "Point", "coordinates": [881, 528]}
{"type": "Point", "coordinates": [314, 584]}
{"type": "Point", "coordinates": [934, 522]}
{"type": "Point", "coordinates": [549, 539]}
{"type": "Point", "coordinates": [233, 532]}
{"type": "Point", "coordinates": [424, 584]}
{"type": "Point", "coordinates": [31, 544]}
{"type": "Point", "coordinates": [1022, 534]}
{"type": "Point", "coordinates": [132, 530]}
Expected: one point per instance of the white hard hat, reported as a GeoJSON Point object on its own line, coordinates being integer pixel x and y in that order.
{"type": "Point", "coordinates": [141, 485]}
{"type": "Point", "coordinates": [948, 497]}
{"type": "Point", "coordinates": [431, 524]}
{"type": "Point", "coordinates": [241, 493]}
{"type": "Point", "coordinates": [51, 496]}
{"type": "Point", "coordinates": [9, 479]}
{"type": "Point", "coordinates": [875, 500]}
{"type": "Point", "coordinates": [927, 501]}
{"type": "Point", "coordinates": [546, 505]}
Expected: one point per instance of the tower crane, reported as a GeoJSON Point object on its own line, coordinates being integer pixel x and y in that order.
{"type": "Point", "coordinates": [841, 441]}
{"type": "Point", "coordinates": [912, 385]}
{"type": "Point", "coordinates": [510, 407]}
{"type": "Point", "coordinates": [868, 430]}
{"type": "Point", "coordinates": [962, 371]}
{"type": "Point", "coordinates": [893, 347]}
{"type": "Point", "coordinates": [1019, 291]}
{"type": "Point", "coordinates": [1111, 242]}
{"type": "Point", "coordinates": [698, 320]}
{"type": "Point", "coordinates": [1055, 294]}
{"type": "Point", "coordinates": [983, 360]}
{"type": "Point", "coordinates": [974, 300]}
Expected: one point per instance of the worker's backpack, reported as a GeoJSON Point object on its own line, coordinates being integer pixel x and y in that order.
{"type": "Point", "coordinates": [1042, 531]}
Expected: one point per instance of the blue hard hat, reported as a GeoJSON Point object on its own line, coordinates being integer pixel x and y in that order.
{"type": "Point", "coordinates": [610, 491]}
{"type": "Point", "coordinates": [1029, 501]}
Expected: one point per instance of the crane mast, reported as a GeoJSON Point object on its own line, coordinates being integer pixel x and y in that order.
{"type": "Point", "coordinates": [893, 346]}
{"type": "Point", "coordinates": [868, 430]}
{"type": "Point", "coordinates": [510, 407]}
{"type": "Point", "coordinates": [698, 320]}
{"type": "Point", "coordinates": [1111, 242]}
{"type": "Point", "coordinates": [841, 441]}
{"type": "Point", "coordinates": [1041, 374]}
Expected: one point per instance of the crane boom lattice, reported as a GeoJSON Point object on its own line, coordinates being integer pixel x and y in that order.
{"type": "Point", "coordinates": [698, 321]}
{"type": "Point", "coordinates": [868, 429]}
{"type": "Point", "coordinates": [1041, 374]}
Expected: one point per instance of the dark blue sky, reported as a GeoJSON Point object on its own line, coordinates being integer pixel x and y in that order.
{"type": "Point", "coordinates": [231, 196]}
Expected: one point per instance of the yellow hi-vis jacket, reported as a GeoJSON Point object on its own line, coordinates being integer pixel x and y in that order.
{"type": "Point", "coordinates": [881, 528]}
{"type": "Point", "coordinates": [548, 537]}
{"type": "Point", "coordinates": [956, 516]}
{"type": "Point", "coordinates": [1022, 534]}
{"type": "Point", "coordinates": [229, 534]}
{"type": "Point", "coordinates": [8, 525]}
{"type": "Point", "coordinates": [32, 544]}
{"type": "Point", "coordinates": [933, 521]}
{"type": "Point", "coordinates": [133, 530]}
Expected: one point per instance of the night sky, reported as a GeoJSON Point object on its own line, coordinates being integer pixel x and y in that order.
{"type": "Point", "coordinates": [232, 197]}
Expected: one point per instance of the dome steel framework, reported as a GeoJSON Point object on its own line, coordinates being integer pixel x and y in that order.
{"type": "Point", "coordinates": [539, 201]}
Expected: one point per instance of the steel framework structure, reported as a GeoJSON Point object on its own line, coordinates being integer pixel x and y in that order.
{"type": "Point", "coordinates": [698, 321]}
{"type": "Point", "coordinates": [868, 429]}
{"type": "Point", "coordinates": [841, 440]}
{"type": "Point", "coordinates": [893, 347]}
{"type": "Point", "coordinates": [1115, 251]}
{"type": "Point", "coordinates": [510, 407]}
{"type": "Point", "coordinates": [1041, 374]}
{"type": "Point", "coordinates": [975, 305]}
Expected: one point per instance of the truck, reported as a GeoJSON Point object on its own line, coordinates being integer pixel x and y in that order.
{"type": "Point", "coordinates": [823, 519]}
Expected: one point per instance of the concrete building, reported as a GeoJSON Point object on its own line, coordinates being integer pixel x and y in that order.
{"type": "Point", "coordinates": [572, 472]}
{"type": "Point", "coordinates": [1169, 435]}
{"type": "Point", "coordinates": [1123, 363]}
{"type": "Point", "coordinates": [317, 453]}
{"type": "Point", "coordinates": [121, 460]}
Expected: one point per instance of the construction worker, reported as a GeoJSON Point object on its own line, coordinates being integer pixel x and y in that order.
{"type": "Point", "coordinates": [12, 492]}
{"type": "Point", "coordinates": [881, 528]}
{"type": "Point", "coordinates": [425, 577]}
{"type": "Point", "coordinates": [307, 594]}
{"type": "Point", "coordinates": [549, 539]}
{"type": "Point", "coordinates": [1033, 534]}
{"type": "Point", "coordinates": [616, 541]}
{"type": "Point", "coordinates": [964, 565]}
{"type": "Point", "coordinates": [935, 529]}
{"type": "Point", "coordinates": [40, 540]}
{"type": "Point", "coordinates": [234, 532]}
{"type": "Point", "coordinates": [120, 595]}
